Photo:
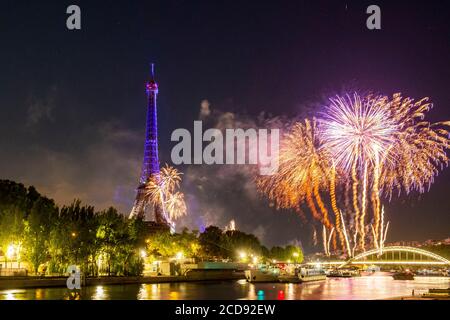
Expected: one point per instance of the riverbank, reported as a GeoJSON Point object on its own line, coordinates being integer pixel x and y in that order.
{"type": "Point", "coordinates": [47, 282]}
{"type": "Point", "coordinates": [431, 294]}
{"type": "Point", "coordinates": [424, 297]}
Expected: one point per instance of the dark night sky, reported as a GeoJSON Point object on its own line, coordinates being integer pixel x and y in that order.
{"type": "Point", "coordinates": [73, 102]}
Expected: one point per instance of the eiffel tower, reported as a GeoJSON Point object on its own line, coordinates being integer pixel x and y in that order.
{"type": "Point", "coordinates": [150, 165]}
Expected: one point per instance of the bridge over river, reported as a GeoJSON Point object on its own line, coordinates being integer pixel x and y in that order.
{"type": "Point", "coordinates": [393, 255]}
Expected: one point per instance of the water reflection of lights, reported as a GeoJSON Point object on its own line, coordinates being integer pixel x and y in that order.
{"type": "Point", "coordinates": [10, 294]}
{"type": "Point", "coordinates": [252, 292]}
{"type": "Point", "coordinates": [377, 286]}
{"type": "Point", "coordinates": [40, 294]}
{"type": "Point", "coordinates": [182, 288]}
{"type": "Point", "coordinates": [99, 293]}
{"type": "Point", "coordinates": [280, 295]}
{"type": "Point", "coordinates": [260, 294]}
{"type": "Point", "coordinates": [143, 293]}
{"type": "Point", "coordinates": [309, 288]}
{"type": "Point", "coordinates": [290, 290]}
{"type": "Point", "coordinates": [149, 292]}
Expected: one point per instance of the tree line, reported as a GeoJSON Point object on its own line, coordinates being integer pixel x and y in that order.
{"type": "Point", "coordinates": [49, 238]}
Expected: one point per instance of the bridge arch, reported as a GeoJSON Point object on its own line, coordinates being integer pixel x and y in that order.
{"type": "Point", "coordinates": [373, 257]}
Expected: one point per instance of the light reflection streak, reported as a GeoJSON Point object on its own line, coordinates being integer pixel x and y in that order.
{"type": "Point", "coordinates": [100, 294]}
{"type": "Point", "coordinates": [379, 285]}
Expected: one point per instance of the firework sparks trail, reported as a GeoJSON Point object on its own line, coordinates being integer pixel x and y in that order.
{"type": "Point", "coordinates": [311, 204]}
{"type": "Point", "coordinates": [337, 212]}
{"type": "Point", "coordinates": [375, 241]}
{"type": "Point", "coordinates": [376, 198]}
{"type": "Point", "coordinates": [321, 205]}
{"type": "Point", "coordinates": [363, 205]}
{"type": "Point", "coordinates": [315, 237]}
{"type": "Point", "coordinates": [175, 205]}
{"type": "Point", "coordinates": [302, 175]}
{"type": "Point", "coordinates": [355, 242]}
{"type": "Point", "coordinates": [324, 238]}
{"type": "Point", "coordinates": [347, 192]}
{"type": "Point", "coordinates": [419, 148]}
{"type": "Point", "coordinates": [161, 190]}
{"type": "Point", "coordinates": [344, 231]}
{"type": "Point", "coordinates": [356, 131]}
{"type": "Point", "coordinates": [367, 147]}
{"type": "Point", "coordinates": [383, 232]}
{"type": "Point", "coordinates": [355, 203]}
{"type": "Point", "coordinates": [381, 229]}
{"type": "Point", "coordinates": [330, 237]}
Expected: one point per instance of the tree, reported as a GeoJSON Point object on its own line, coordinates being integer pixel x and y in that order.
{"type": "Point", "coordinates": [290, 252]}
{"type": "Point", "coordinates": [72, 238]}
{"type": "Point", "coordinates": [37, 228]}
{"type": "Point", "coordinates": [119, 240]}
{"type": "Point", "coordinates": [212, 242]}
{"type": "Point", "coordinates": [107, 240]}
{"type": "Point", "coordinates": [161, 244]}
{"type": "Point", "coordinates": [238, 240]}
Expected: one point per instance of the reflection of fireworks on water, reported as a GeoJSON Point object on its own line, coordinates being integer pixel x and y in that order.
{"type": "Point", "coordinates": [367, 146]}
{"type": "Point", "coordinates": [162, 190]}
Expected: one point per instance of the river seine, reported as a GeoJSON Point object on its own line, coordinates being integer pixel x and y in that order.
{"type": "Point", "coordinates": [376, 286]}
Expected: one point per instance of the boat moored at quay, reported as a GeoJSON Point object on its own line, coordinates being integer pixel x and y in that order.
{"type": "Point", "coordinates": [285, 274]}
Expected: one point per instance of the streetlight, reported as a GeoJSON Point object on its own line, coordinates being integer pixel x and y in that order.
{"type": "Point", "coordinates": [295, 255]}
{"type": "Point", "coordinates": [143, 254]}
{"type": "Point", "coordinates": [10, 252]}
{"type": "Point", "coordinates": [179, 255]}
{"type": "Point", "coordinates": [74, 235]}
{"type": "Point", "coordinates": [242, 255]}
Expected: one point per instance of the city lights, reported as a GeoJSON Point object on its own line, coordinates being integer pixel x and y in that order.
{"type": "Point", "coordinates": [279, 161]}
{"type": "Point", "coordinates": [242, 255]}
{"type": "Point", "coordinates": [179, 255]}
{"type": "Point", "coordinates": [11, 251]}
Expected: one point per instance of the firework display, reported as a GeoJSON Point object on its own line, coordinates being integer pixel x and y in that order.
{"type": "Point", "coordinates": [161, 189]}
{"type": "Point", "coordinates": [304, 173]}
{"type": "Point", "coordinates": [361, 148]}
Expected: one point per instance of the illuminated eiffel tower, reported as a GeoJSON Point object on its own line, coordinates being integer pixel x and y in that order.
{"type": "Point", "coordinates": [150, 165]}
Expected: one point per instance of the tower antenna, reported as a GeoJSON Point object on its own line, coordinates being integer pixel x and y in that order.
{"type": "Point", "coordinates": [152, 70]}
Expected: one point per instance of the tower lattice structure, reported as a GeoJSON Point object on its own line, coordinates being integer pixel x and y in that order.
{"type": "Point", "coordinates": [150, 165]}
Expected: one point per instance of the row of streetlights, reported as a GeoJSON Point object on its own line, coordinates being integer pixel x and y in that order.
{"type": "Point", "coordinates": [243, 256]}
{"type": "Point", "coordinates": [12, 251]}
{"type": "Point", "coordinates": [178, 256]}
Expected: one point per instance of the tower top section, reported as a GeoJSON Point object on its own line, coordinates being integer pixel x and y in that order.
{"type": "Point", "coordinates": [151, 84]}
